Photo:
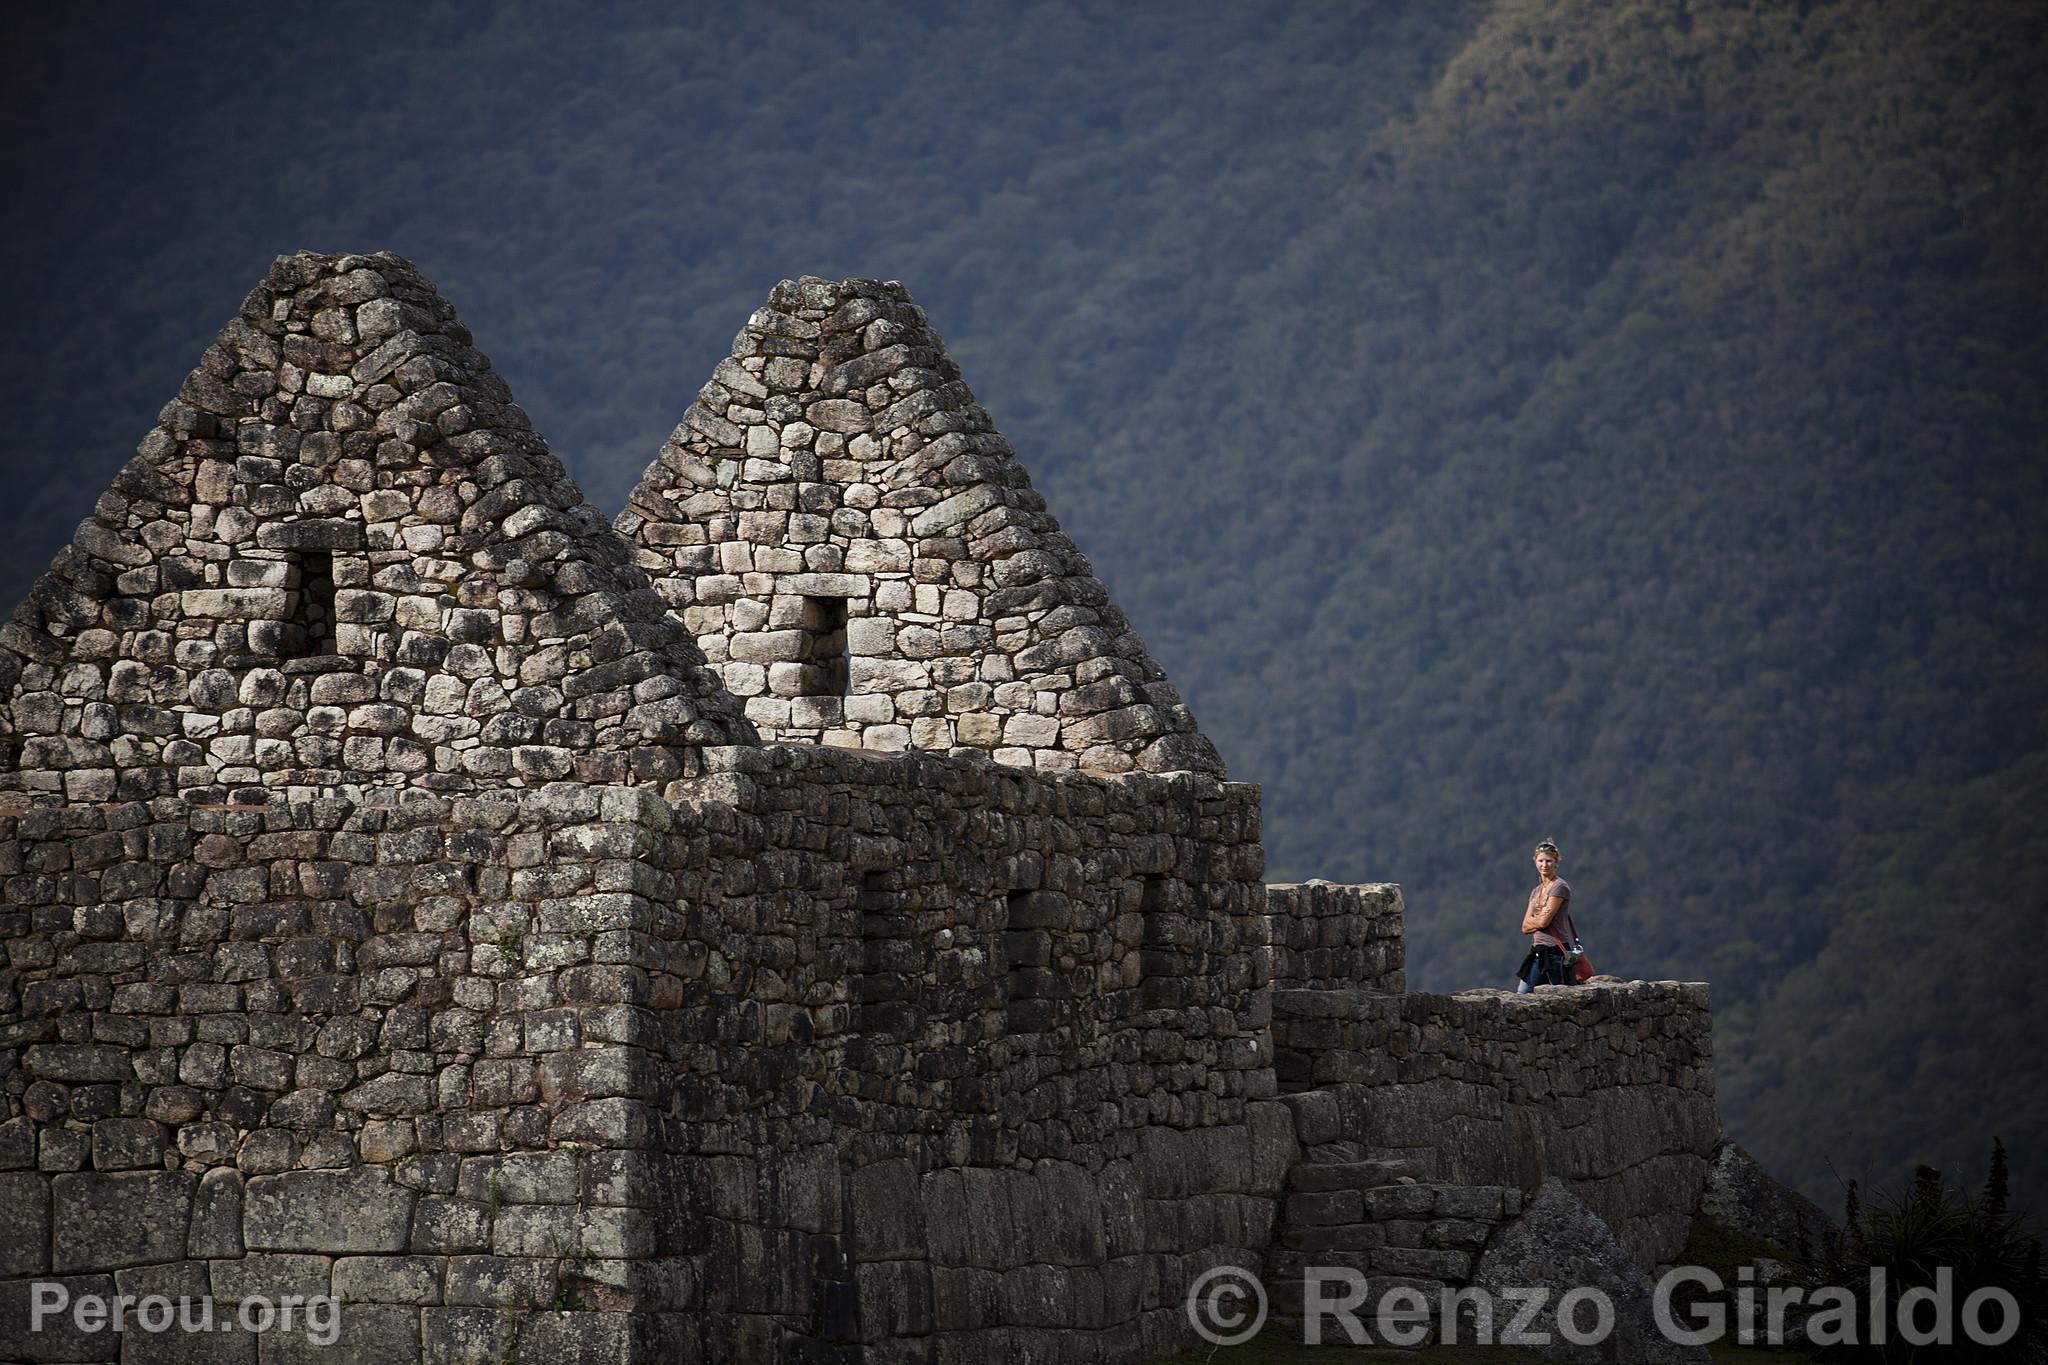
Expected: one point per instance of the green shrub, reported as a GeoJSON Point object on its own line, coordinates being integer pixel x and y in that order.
{"type": "Point", "coordinates": [1916, 1236]}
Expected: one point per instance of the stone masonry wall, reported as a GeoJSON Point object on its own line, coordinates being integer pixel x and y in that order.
{"type": "Point", "coordinates": [298, 1047]}
{"type": "Point", "coordinates": [595, 1069]}
{"type": "Point", "coordinates": [1608, 1086]}
{"type": "Point", "coordinates": [864, 559]}
{"type": "Point", "coordinates": [958, 1005]}
{"type": "Point", "coordinates": [1338, 938]}
{"type": "Point", "coordinates": [396, 903]}
{"type": "Point", "coordinates": [343, 559]}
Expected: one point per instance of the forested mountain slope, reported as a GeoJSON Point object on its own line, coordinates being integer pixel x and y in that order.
{"type": "Point", "coordinates": [1621, 422]}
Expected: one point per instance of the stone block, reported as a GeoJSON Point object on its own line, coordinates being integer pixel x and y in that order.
{"type": "Point", "coordinates": [841, 415]}
{"type": "Point", "coordinates": [597, 1073]}
{"type": "Point", "coordinates": [576, 1338]}
{"type": "Point", "coordinates": [365, 1332]}
{"type": "Point", "coordinates": [123, 1144]}
{"type": "Point", "coordinates": [1325, 1208]}
{"type": "Point", "coordinates": [1400, 1201]}
{"type": "Point", "coordinates": [388, 1279]}
{"type": "Point", "coordinates": [262, 1276]}
{"type": "Point", "coordinates": [310, 533]}
{"type": "Point", "coordinates": [894, 1299]}
{"type": "Point", "coordinates": [1460, 1233]}
{"type": "Point", "coordinates": [1073, 1233]}
{"type": "Point", "coordinates": [500, 1281]}
{"type": "Point", "coordinates": [1469, 1202]}
{"type": "Point", "coordinates": [79, 1063]}
{"type": "Point", "coordinates": [359, 1210]}
{"type": "Point", "coordinates": [604, 1123]}
{"type": "Point", "coordinates": [623, 1179]}
{"type": "Point", "coordinates": [17, 1144]}
{"type": "Point", "coordinates": [1270, 1126]}
{"type": "Point", "coordinates": [216, 1228]}
{"type": "Point", "coordinates": [885, 1222]}
{"type": "Point", "coordinates": [467, 1336]}
{"type": "Point", "coordinates": [1162, 1163]}
{"type": "Point", "coordinates": [1123, 1210]}
{"type": "Point", "coordinates": [520, 1178]}
{"type": "Point", "coordinates": [104, 1222]}
{"type": "Point", "coordinates": [450, 1226]}
{"type": "Point", "coordinates": [1422, 1263]}
{"type": "Point", "coordinates": [24, 1223]}
{"type": "Point", "coordinates": [534, 1230]}
{"type": "Point", "coordinates": [236, 604]}
{"type": "Point", "coordinates": [58, 1336]}
{"type": "Point", "coordinates": [1316, 1118]}
{"type": "Point", "coordinates": [965, 1299]}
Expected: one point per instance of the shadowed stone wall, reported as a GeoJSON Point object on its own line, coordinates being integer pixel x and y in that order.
{"type": "Point", "coordinates": [1608, 1086]}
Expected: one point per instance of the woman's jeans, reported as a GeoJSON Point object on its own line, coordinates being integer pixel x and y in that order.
{"type": "Point", "coordinates": [1544, 966]}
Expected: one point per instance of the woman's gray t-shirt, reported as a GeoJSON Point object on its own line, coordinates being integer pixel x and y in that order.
{"type": "Point", "coordinates": [1553, 937]}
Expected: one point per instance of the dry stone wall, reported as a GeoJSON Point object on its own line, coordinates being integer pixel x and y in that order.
{"type": "Point", "coordinates": [1330, 937]}
{"type": "Point", "coordinates": [863, 557]}
{"type": "Point", "coordinates": [589, 1067]}
{"type": "Point", "coordinates": [342, 560]}
{"type": "Point", "coordinates": [395, 903]}
{"type": "Point", "coordinates": [1007, 967]}
{"type": "Point", "coordinates": [1607, 1086]}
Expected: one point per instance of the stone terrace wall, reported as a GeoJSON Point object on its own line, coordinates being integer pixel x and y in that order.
{"type": "Point", "coordinates": [1336, 938]}
{"type": "Point", "coordinates": [1608, 1086]}
{"type": "Point", "coordinates": [837, 466]}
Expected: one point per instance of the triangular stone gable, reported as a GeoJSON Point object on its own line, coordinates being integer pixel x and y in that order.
{"type": "Point", "coordinates": [343, 558]}
{"type": "Point", "coordinates": [836, 471]}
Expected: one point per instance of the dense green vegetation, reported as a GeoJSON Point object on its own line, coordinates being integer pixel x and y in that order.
{"type": "Point", "coordinates": [1621, 422]}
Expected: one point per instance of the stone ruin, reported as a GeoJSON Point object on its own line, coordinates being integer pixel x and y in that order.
{"type": "Point", "coordinates": [798, 921]}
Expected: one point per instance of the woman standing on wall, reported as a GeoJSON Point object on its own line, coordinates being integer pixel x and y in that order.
{"type": "Point", "coordinates": [1544, 920]}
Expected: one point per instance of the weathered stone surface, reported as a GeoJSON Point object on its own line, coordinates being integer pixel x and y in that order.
{"type": "Point", "coordinates": [467, 1336]}
{"type": "Point", "coordinates": [336, 1212]}
{"type": "Point", "coordinates": [104, 1222]}
{"type": "Point", "coordinates": [1559, 1244]}
{"type": "Point", "coordinates": [388, 1279]}
{"type": "Point", "coordinates": [895, 527]}
{"type": "Point", "coordinates": [1331, 937]}
{"type": "Point", "coordinates": [120, 1144]}
{"type": "Point", "coordinates": [216, 1229]}
{"type": "Point", "coordinates": [1742, 1196]}
{"type": "Point", "coordinates": [1608, 1087]}
{"type": "Point", "coordinates": [56, 1336]}
{"type": "Point", "coordinates": [393, 509]}
{"type": "Point", "coordinates": [24, 1224]}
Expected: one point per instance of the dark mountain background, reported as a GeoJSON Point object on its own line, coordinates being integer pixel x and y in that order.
{"type": "Point", "coordinates": [1621, 422]}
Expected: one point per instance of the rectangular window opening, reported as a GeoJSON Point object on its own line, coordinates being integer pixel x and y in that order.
{"type": "Point", "coordinates": [827, 670]}
{"type": "Point", "coordinates": [310, 632]}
